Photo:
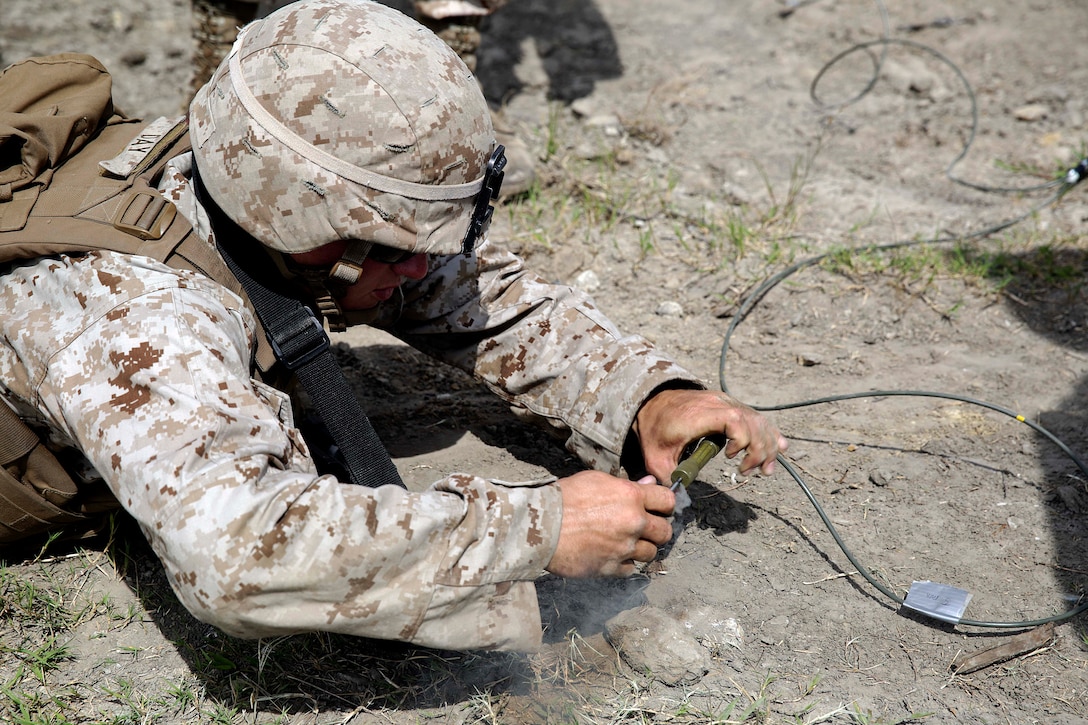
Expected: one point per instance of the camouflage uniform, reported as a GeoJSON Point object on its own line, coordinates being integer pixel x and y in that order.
{"type": "Point", "coordinates": [146, 370]}
{"type": "Point", "coordinates": [216, 23]}
{"type": "Point", "coordinates": [457, 22]}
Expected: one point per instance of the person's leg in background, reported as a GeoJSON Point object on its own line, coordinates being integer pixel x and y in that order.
{"type": "Point", "coordinates": [216, 23]}
{"type": "Point", "coordinates": [458, 23]}
{"type": "Point", "coordinates": [215, 28]}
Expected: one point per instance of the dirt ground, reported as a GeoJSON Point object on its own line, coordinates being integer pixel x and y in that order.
{"type": "Point", "coordinates": [685, 157]}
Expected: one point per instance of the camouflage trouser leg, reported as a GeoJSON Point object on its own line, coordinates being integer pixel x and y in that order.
{"type": "Point", "coordinates": [457, 22]}
{"type": "Point", "coordinates": [215, 28]}
{"type": "Point", "coordinates": [216, 23]}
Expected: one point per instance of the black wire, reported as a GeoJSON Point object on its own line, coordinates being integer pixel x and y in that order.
{"type": "Point", "coordinates": [1062, 185]}
{"type": "Point", "coordinates": [884, 43]}
{"type": "Point", "coordinates": [1060, 617]}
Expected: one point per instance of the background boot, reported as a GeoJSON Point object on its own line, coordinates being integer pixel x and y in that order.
{"type": "Point", "coordinates": [462, 33]}
{"type": "Point", "coordinates": [520, 162]}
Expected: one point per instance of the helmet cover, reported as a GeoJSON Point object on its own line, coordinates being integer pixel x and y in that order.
{"type": "Point", "coordinates": [343, 119]}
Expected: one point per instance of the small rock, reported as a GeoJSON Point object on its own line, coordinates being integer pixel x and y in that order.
{"type": "Point", "coordinates": [670, 309]}
{"type": "Point", "coordinates": [624, 156]}
{"type": "Point", "coordinates": [911, 76]}
{"type": "Point", "coordinates": [1075, 499]}
{"type": "Point", "coordinates": [808, 359]}
{"type": "Point", "coordinates": [654, 643]}
{"type": "Point", "coordinates": [582, 107]}
{"type": "Point", "coordinates": [921, 84]}
{"type": "Point", "coordinates": [608, 122]}
{"type": "Point", "coordinates": [735, 195]}
{"type": "Point", "coordinates": [775, 631]}
{"type": "Point", "coordinates": [718, 633]}
{"type": "Point", "coordinates": [134, 58]}
{"type": "Point", "coordinates": [879, 478]}
{"type": "Point", "coordinates": [587, 281]}
{"type": "Point", "coordinates": [121, 20]}
{"type": "Point", "coordinates": [1032, 112]}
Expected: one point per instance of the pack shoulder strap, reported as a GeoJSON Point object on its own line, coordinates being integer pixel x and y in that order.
{"type": "Point", "coordinates": [16, 437]}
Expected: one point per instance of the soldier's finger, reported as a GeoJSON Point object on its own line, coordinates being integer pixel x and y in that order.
{"type": "Point", "coordinates": [644, 551]}
{"type": "Point", "coordinates": [657, 530]}
{"type": "Point", "coordinates": [658, 499]}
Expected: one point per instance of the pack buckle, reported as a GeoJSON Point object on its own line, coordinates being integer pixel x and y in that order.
{"type": "Point", "coordinates": [299, 339]}
{"type": "Point", "coordinates": [144, 214]}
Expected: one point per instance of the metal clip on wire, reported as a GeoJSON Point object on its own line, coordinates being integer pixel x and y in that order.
{"type": "Point", "coordinates": [1077, 173]}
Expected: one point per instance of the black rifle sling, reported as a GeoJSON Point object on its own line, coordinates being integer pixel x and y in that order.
{"type": "Point", "coordinates": [302, 346]}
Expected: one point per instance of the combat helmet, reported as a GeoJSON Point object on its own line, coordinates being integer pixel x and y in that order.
{"type": "Point", "coordinates": [347, 120]}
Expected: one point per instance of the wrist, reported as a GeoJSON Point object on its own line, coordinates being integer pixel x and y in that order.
{"type": "Point", "coordinates": [659, 400]}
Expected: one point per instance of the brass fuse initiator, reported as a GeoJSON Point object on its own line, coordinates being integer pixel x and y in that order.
{"type": "Point", "coordinates": [700, 454]}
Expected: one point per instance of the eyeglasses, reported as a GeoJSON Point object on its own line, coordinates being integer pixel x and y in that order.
{"type": "Point", "coordinates": [389, 255]}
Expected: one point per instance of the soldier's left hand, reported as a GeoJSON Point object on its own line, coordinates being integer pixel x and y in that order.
{"type": "Point", "coordinates": [672, 419]}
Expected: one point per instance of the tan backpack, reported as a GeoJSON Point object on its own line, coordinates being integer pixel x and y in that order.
{"type": "Point", "coordinates": [78, 175]}
{"type": "Point", "coordinates": [57, 125]}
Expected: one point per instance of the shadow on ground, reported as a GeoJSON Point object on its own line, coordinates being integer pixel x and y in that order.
{"type": "Point", "coordinates": [572, 38]}
{"type": "Point", "coordinates": [1047, 288]}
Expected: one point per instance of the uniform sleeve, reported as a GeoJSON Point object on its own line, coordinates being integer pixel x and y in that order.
{"type": "Point", "coordinates": [155, 390]}
{"type": "Point", "coordinates": [546, 348]}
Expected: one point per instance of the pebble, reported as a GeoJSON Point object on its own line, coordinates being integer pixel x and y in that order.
{"type": "Point", "coordinates": [880, 478]}
{"type": "Point", "coordinates": [583, 108]}
{"type": "Point", "coordinates": [608, 122]}
{"type": "Point", "coordinates": [587, 281]}
{"type": "Point", "coordinates": [134, 58]}
{"type": "Point", "coordinates": [670, 309]}
{"type": "Point", "coordinates": [775, 630]}
{"type": "Point", "coordinates": [1031, 112]}
{"type": "Point", "coordinates": [652, 642]}
{"type": "Point", "coordinates": [1074, 498]}
{"type": "Point", "coordinates": [735, 195]}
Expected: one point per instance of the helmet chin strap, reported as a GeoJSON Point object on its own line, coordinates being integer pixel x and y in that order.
{"type": "Point", "coordinates": [350, 267]}
{"type": "Point", "coordinates": [327, 284]}
{"type": "Point", "coordinates": [324, 284]}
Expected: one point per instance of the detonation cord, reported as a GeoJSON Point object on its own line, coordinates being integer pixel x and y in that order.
{"type": "Point", "coordinates": [1061, 185]}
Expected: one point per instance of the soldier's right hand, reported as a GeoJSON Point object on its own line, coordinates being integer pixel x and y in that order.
{"type": "Point", "coordinates": [610, 523]}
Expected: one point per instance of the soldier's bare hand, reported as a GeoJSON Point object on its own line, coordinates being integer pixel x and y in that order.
{"type": "Point", "coordinates": [610, 523]}
{"type": "Point", "coordinates": [670, 420]}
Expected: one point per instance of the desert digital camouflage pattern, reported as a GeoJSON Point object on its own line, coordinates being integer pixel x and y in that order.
{"type": "Point", "coordinates": [442, 9]}
{"type": "Point", "coordinates": [457, 23]}
{"type": "Point", "coordinates": [410, 128]}
{"type": "Point", "coordinates": [216, 23]}
{"type": "Point", "coordinates": [146, 370]}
